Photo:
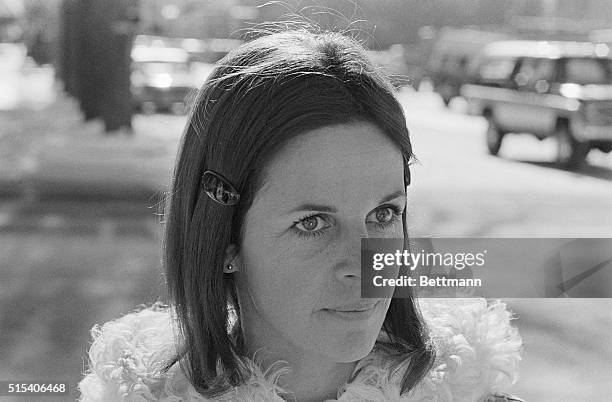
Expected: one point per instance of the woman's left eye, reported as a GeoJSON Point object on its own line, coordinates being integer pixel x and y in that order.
{"type": "Point", "coordinates": [386, 216]}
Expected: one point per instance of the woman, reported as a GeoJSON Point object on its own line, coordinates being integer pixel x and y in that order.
{"type": "Point", "coordinates": [295, 150]}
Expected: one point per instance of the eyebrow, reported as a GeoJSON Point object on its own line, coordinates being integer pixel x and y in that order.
{"type": "Point", "coordinates": [325, 208]}
{"type": "Point", "coordinates": [393, 195]}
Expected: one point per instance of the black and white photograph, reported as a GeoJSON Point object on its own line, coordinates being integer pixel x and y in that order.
{"type": "Point", "coordinates": [306, 200]}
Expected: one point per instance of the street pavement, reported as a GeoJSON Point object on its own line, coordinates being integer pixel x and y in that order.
{"type": "Point", "coordinates": [80, 230]}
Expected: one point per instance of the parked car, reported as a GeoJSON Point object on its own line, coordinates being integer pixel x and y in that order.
{"type": "Point", "coordinates": [161, 79]}
{"type": "Point", "coordinates": [547, 89]}
{"type": "Point", "coordinates": [451, 56]}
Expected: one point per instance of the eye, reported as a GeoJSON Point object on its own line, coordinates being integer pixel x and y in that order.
{"type": "Point", "coordinates": [311, 226]}
{"type": "Point", "coordinates": [386, 216]}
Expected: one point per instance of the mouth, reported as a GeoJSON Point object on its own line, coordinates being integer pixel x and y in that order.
{"type": "Point", "coordinates": [353, 312]}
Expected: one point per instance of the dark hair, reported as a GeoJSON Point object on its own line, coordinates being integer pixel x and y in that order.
{"type": "Point", "coordinates": [258, 97]}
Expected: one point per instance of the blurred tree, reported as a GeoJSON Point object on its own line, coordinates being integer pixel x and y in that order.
{"type": "Point", "coordinates": [69, 48]}
{"type": "Point", "coordinates": [90, 61]}
{"type": "Point", "coordinates": [38, 35]}
{"type": "Point", "coordinates": [97, 42]}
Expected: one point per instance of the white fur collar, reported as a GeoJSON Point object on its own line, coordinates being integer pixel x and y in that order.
{"type": "Point", "coordinates": [477, 353]}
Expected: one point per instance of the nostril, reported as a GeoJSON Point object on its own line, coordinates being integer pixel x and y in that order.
{"type": "Point", "coordinates": [348, 272]}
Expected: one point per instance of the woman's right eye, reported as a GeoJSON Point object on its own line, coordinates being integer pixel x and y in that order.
{"type": "Point", "coordinates": [311, 226]}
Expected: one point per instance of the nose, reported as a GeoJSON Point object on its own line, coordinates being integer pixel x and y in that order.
{"type": "Point", "coordinates": [348, 268]}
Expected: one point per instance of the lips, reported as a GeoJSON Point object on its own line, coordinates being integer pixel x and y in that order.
{"type": "Point", "coordinates": [358, 313]}
{"type": "Point", "coordinates": [354, 307]}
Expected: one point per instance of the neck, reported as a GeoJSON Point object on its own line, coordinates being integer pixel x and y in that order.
{"type": "Point", "coordinates": [312, 376]}
{"type": "Point", "coordinates": [316, 380]}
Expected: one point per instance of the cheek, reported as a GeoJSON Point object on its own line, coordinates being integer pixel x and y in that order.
{"type": "Point", "coordinates": [395, 232]}
{"type": "Point", "coordinates": [281, 279]}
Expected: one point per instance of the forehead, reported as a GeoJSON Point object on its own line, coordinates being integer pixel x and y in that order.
{"type": "Point", "coordinates": [354, 161]}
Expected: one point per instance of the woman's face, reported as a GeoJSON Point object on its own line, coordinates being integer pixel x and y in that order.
{"type": "Point", "coordinates": [299, 262]}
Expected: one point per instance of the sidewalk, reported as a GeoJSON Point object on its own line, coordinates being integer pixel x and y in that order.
{"type": "Point", "coordinates": [79, 232]}
{"type": "Point", "coordinates": [52, 153]}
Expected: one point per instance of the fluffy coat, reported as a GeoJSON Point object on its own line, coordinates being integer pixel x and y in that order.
{"type": "Point", "coordinates": [477, 354]}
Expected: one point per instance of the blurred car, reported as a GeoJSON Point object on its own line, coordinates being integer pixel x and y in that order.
{"type": "Point", "coordinates": [451, 56]}
{"type": "Point", "coordinates": [161, 79]}
{"type": "Point", "coordinates": [547, 89]}
{"type": "Point", "coordinates": [12, 47]}
{"type": "Point", "coordinates": [394, 62]}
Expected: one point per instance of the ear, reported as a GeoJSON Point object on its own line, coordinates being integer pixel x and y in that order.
{"type": "Point", "coordinates": [231, 261]}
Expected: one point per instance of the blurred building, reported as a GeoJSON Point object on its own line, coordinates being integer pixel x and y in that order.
{"type": "Point", "coordinates": [384, 22]}
{"type": "Point", "coordinates": [194, 18]}
{"type": "Point", "coordinates": [559, 19]}
{"type": "Point", "coordinates": [399, 21]}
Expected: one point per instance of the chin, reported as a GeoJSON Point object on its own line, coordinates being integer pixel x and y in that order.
{"type": "Point", "coordinates": [347, 340]}
{"type": "Point", "coordinates": [350, 344]}
{"type": "Point", "coordinates": [354, 347]}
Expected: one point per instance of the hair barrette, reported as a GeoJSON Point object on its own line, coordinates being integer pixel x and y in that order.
{"type": "Point", "coordinates": [219, 188]}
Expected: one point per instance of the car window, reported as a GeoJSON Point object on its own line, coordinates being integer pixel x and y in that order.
{"type": "Point", "coordinates": [544, 70]}
{"type": "Point", "coordinates": [588, 71]}
{"type": "Point", "coordinates": [535, 74]}
{"type": "Point", "coordinates": [496, 70]}
{"type": "Point", "coordinates": [525, 74]}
